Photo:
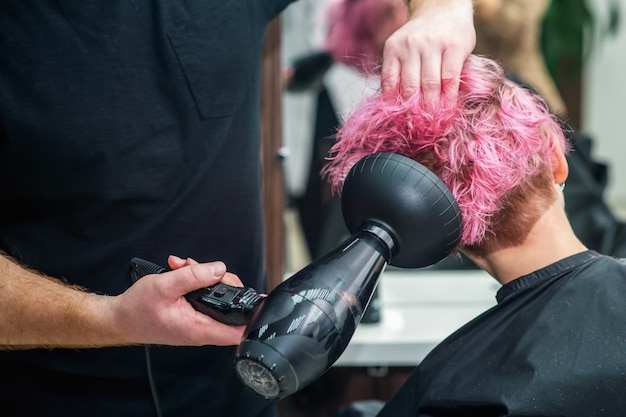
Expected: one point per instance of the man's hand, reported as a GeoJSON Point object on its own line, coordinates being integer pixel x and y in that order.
{"type": "Point", "coordinates": [155, 311]}
{"type": "Point", "coordinates": [38, 311]}
{"type": "Point", "coordinates": [427, 54]}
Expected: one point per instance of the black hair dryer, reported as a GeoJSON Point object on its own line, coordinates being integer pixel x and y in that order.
{"type": "Point", "coordinates": [399, 213]}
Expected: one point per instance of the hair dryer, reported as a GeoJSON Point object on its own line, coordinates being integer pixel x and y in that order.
{"type": "Point", "coordinates": [399, 213]}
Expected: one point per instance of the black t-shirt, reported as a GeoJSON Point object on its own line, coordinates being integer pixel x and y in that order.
{"type": "Point", "coordinates": [554, 345]}
{"type": "Point", "coordinates": [129, 128]}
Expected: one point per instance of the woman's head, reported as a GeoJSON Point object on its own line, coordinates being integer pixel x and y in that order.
{"type": "Point", "coordinates": [495, 149]}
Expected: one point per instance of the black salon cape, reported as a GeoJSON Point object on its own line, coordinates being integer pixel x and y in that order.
{"type": "Point", "coordinates": [554, 345]}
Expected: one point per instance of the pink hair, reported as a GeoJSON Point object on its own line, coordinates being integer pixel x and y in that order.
{"type": "Point", "coordinates": [354, 31]}
{"type": "Point", "coordinates": [499, 136]}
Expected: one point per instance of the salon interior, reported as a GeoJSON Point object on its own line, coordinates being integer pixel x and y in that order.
{"type": "Point", "coordinates": [413, 309]}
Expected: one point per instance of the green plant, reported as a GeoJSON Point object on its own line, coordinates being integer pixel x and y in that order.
{"type": "Point", "coordinates": [567, 34]}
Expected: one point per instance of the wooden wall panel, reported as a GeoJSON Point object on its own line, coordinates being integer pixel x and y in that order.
{"type": "Point", "coordinates": [271, 137]}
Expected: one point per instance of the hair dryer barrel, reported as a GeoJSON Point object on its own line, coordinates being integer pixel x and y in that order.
{"type": "Point", "coordinates": [305, 323]}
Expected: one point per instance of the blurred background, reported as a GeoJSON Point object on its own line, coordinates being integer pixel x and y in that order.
{"type": "Point", "coordinates": [603, 95]}
{"type": "Point", "coordinates": [573, 52]}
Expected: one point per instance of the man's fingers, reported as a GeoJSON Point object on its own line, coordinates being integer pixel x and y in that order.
{"type": "Point", "coordinates": [232, 279]}
{"type": "Point", "coordinates": [450, 77]}
{"type": "Point", "coordinates": [214, 271]}
{"type": "Point", "coordinates": [175, 262]}
{"type": "Point", "coordinates": [411, 77]}
{"type": "Point", "coordinates": [191, 261]}
{"type": "Point", "coordinates": [390, 75]}
{"type": "Point", "coordinates": [431, 83]}
{"type": "Point", "coordinates": [192, 277]}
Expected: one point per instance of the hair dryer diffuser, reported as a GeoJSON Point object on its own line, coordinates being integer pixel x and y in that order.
{"type": "Point", "coordinates": [407, 199]}
{"type": "Point", "coordinates": [398, 212]}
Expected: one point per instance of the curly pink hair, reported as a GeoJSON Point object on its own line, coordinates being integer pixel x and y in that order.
{"type": "Point", "coordinates": [497, 138]}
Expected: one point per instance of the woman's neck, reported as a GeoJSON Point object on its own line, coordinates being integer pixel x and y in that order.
{"type": "Point", "coordinates": [550, 240]}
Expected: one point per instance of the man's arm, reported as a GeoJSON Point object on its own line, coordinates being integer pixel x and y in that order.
{"type": "Point", "coordinates": [428, 52]}
{"type": "Point", "coordinates": [40, 311]}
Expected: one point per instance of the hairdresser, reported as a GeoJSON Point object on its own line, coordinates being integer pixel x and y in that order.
{"type": "Point", "coordinates": [131, 128]}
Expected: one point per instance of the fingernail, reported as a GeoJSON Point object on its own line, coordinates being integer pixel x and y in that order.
{"type": "Point", "coordinates": [219, 269]}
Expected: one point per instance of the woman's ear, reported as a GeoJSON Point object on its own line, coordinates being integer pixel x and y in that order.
{"type": "Point", "coordinates": [560, 169]}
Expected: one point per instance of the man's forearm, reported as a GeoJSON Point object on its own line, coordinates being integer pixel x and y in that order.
{"type": "Point", "coordinates": [39, 311]}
